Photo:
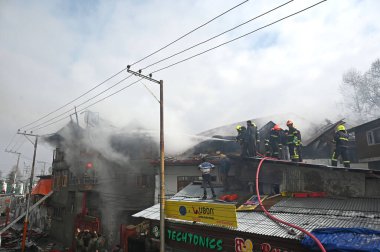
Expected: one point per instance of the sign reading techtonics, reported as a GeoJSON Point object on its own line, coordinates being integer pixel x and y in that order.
{"type": "Point", "coordinates": [195, 239]}
{"type": "Point", "coordinates": [211, 213]}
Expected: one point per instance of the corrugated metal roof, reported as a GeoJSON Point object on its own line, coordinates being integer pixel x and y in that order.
{"type": "Point", "coordinates": [258, 223]}
{"type": "Point", "coordinates": [355, 207]}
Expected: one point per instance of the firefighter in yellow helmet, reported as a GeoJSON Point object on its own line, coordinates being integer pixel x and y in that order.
{"type": "Point", "coordinates": [294, 142]}
{"type": "Point", "coordinates": [242, 138]}
{"type": "Point", "coordinates": [341, 147]}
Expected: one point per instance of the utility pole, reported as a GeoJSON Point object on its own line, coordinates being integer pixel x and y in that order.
{"type": "Point", "coordinates": [162, 155]}
{"type": "Point", "coordinates": [26, 220]}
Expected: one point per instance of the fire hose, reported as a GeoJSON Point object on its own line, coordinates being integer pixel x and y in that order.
{"type": "Point", "coordinates": [277, 219]}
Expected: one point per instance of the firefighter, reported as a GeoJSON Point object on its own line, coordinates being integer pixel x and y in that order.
{"type": "Point", "coordinates": [252, 137]}
{"type": "Point", "coordinates": [294, 142]}
{"type": "Point", "coordinates": [206, 168]}
{"type": "Point", "coordinates": [242, 138]}
{"type": "Point", "coordinates": [267, 148]}
{"type": "Point", "coordinates": [284, 141]}
{"type": "Point", "coordinates": [275, 141]}
{"type": "Point", "coordinates": [341, 148]}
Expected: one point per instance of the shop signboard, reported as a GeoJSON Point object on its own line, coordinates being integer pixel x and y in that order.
{"type": "Point", "coordinates": [211, 213]}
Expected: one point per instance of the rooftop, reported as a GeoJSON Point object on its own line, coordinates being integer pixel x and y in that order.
{"type": "Point", "coordinates": [308, 213]}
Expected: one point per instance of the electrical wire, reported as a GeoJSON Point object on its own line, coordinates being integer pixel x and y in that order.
{"type": "Point", "coordinates": [6, 148]}
{"type": "Point", "coordinates": [122, 70]}
{"type": "Point", "coordinates": [204, 24]}
{"type": "Point", "coordinates": [237, 38]}
{"type": "Point", "coordinates": [37, 127]}
{"type": "Point", "coordinates": [131, 84]}
{"type": "Point", "coordinates": [114, 85]}
{"type": "Point", "coordinates": [98, 85]}
{"type": "Point", "coordinates": [216, 36]}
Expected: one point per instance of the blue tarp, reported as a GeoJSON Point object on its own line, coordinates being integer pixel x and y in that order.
{"type": "Point", "coordinates": [345, 240]}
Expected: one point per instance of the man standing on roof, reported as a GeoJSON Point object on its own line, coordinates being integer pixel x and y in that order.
{"type": "Point", "coordinates": [294, 142]}
{"type": "Point", "coordinates": [242, 138]}
{"type": "Point", "coordinates": [224, 168]}
{"type": "Point", "coordinates": [341, 149]}
{"type": "Point", "coordinates": [275, 141]}
{"type": "Point", "coordinates": [206, 168]}
{"type": "Point", "coordinates": [252, 135]}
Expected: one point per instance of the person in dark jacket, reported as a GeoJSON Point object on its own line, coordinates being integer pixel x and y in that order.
{"type": "Point", "coordinates": [294, 142]}
{"type": "Point", "coordinates": [224, 168]}
{"type": "Point", "coordinates": [275, 141]}
{"type": "Point", "coordinates": [206, 168]}
{"type": "Point", "coordinates": [252, 137]}
{"type": "Point", "coordinates": [242, 138]}
{"type": "Point", "coordinates": [341, 147]}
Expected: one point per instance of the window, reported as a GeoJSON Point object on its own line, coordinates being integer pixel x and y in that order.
{"type": "Point", "coordinates": [373, 136]}
{"type": "Point", "coordinates": [145, 181]}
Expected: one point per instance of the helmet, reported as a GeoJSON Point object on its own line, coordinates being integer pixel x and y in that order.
{"type": "Point", "coordinates": [289, 122]}
{"type": "Point", "coordinates": [340, 127]}
{"type": "Point", "coordinates": [238, 127]}
{"type": "Point", "coordinates": [276, 127]}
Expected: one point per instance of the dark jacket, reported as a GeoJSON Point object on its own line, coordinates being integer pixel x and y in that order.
{"type": "Point", "coordinates": [252, 132]}
{"type": "Point", "coordinates": [294, 136]}
{"type": "Point", "coordinates": [341, 138]}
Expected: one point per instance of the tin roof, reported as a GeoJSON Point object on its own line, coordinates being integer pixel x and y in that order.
{"type": "Point", "coordinates": [354, 207]}
{"type": "Point", "coordinates": [308, 213]}
{"type": "Point", "coordinates": [258, 223]}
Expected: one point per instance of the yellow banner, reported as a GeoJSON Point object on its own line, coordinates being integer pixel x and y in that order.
{"type": "Point", "coordinates": [223, 214]}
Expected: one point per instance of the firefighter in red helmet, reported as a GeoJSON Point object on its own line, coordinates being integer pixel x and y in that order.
{"type": "Point", "coordinates": [294, 142]}
{"type": "Point", "coordinates": [275, 141]}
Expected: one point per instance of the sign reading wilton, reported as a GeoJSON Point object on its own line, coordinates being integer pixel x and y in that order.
{"type": "Point", "coordinates": [211, 213]}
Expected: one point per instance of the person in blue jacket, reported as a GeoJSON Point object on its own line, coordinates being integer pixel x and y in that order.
{"type": "Point", "coordinates": [206, 168]}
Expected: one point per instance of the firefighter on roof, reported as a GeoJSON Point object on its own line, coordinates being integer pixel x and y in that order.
{"type": "Point", "coordinates": [275, 141]}
{"type": "Point", "coordinates": [341, 149]}
{"type": "Point", "coordinates": [252, 138]}
{"type": "Point", "coordinates": [294, 142]}
{"type": "Point", "coordinates": [242, 138]}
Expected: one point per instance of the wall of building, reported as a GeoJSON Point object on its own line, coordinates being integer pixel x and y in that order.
{"type": "Point", "coordinates": [366, 151]}
{"type": "Point", "coordinates": [293, 178]}
{"type": "Point", "coordinates": [177, 238]}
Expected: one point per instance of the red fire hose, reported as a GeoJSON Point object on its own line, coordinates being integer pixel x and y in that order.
{"type": "Point", "coordinates": [278, 220]}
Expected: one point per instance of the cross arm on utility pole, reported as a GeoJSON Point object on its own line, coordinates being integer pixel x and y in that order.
{"type": "Point", "coordinates": [139, 74]}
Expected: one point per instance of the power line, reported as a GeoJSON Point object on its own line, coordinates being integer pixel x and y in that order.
{"type": "Point", "coordinates": [116, 74]}
{"type": "Point", "coordinates": [6, 148]}
{"type": "Point", "coordinates": [218, 35]}
{"type": "Point", "coordinates": [189, 32]}
{"type": "Point", "coordinates": [215, 47]}
{"type": "Point", "coordinates": [92, 104]}
{"type": "Point", "coordinates": [98, 85]}
{"type": "Point", "coordinates": [178, 62]}
{"type": "Point", "coordinates": [117, 83]}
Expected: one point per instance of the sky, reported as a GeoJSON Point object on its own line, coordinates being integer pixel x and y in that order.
{"type": "Point", "coordinates": [52, 52]}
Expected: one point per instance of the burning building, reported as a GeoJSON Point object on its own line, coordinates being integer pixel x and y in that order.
{"type": "Point", "coordinates": [99, 180]}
